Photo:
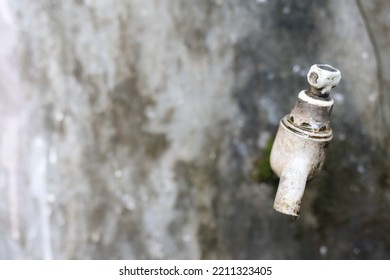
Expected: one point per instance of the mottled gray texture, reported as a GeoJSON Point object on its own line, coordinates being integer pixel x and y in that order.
{"type": "Point", "coordinates": [132, 129]}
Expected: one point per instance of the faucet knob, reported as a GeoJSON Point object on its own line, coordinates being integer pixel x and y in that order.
{"type": "Point", "coordinates": [322, 78]}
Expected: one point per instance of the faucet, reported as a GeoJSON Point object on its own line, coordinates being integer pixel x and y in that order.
{"type": "Point", "coordinates": [298, 152]}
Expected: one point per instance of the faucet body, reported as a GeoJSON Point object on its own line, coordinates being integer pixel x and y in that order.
{"type": "Point", "coordinates": [299, 149]}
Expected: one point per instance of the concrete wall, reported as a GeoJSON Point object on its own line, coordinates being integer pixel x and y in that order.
{"type": "Point", "coordinates": [141, 129]}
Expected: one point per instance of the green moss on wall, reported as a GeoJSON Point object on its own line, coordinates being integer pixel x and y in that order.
{"type": "Point", "coordinates": [262, 171]}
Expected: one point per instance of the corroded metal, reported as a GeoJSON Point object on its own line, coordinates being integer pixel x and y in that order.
{"type": "Point", "coordinates": [298, 152]}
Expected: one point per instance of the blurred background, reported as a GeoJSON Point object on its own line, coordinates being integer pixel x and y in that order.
{"type": "Point", "coordinates": [142, 129]}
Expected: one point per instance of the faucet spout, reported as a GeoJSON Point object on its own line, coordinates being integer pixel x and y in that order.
{"type": "Point", "coordinates": [298, 152]}
{"type": "Point", "coordinates": [292, 186]}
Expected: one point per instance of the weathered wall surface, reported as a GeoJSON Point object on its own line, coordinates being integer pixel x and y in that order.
{"type": "Point", "coordinates": [141, 129]}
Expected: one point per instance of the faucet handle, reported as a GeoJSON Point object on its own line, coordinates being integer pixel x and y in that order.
{"type": "Point", "coordinates": [322, 78]}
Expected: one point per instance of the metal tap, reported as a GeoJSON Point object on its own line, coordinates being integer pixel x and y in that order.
{"type": "Point", "coordinates": [298, 152]}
